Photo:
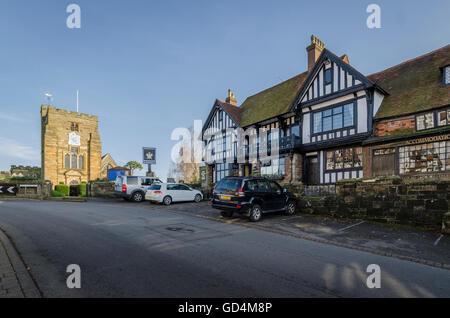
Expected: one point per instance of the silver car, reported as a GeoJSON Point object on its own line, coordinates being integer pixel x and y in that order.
{"type": "Point", "coordinates": [133, 188]}
{"type": "Point", "coordinates": [172, 192]}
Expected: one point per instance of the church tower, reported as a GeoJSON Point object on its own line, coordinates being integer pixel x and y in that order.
{"type": "Point", "coordinates": [70, 146]}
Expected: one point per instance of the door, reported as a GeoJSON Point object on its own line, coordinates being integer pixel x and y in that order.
{"type": "Point", "coordinates": [276, 196]}
{"type": "Point", "coordinates": [312, 170]}
{"type": "Point", "coordinates": [265, 194]}
{"type": "Point", "coordinates": [173, 192]}
{"type": "Point", "coordinates": [383, 162]}
{"type": "Point", "coordinates": [185, 193]}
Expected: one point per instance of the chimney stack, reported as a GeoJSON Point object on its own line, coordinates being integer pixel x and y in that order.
{"type": "Point", "coordinates": [231, 99]}
{"type": "Point", "coordinates": [314, 50]}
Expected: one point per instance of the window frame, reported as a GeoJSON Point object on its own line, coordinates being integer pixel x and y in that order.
{"type": "Point", "coordinates": [329, 71]}
{"type": "Point", "coordinates": [406, 156]}
{"type": "Point", "coordinates": [445, 72]}
{"type": "Point", "coordinates": [355, 155]}
{"type": "Point", "coordinates": [416, 117]}
{"type": "Point", "coordinates": [331, 108]}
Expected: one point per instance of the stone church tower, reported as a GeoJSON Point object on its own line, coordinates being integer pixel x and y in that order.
{"type": "Point", "coordinates": [71, 147]}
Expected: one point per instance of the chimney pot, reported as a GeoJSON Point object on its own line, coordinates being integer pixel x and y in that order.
{"type": "Point", "coordinates": [314, 50]}
{"type": "Point", "coordinates": [231, 99]}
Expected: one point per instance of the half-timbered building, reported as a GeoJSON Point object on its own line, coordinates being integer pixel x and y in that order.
{"type": "Point", "coordinates": [331, 122]}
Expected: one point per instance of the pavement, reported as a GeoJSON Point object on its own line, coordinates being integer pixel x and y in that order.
{"type": "Point", "coordinates": [15, 281]}
{"type": "Point", "coordinates": [142, 250]}
{"type": "Point", "coordinates": [413, 244]}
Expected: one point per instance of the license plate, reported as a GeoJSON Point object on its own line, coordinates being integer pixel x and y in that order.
{"type": "Point", "coordinates": [225, 197]}
{"type": "Point", "coordinates": [149, 197]}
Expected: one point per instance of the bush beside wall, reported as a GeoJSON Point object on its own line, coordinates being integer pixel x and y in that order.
{"type": "Point", "coordinates": [63, 189]}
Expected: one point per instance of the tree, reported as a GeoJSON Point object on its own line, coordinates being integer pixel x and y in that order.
{"type": "Point", "coordinates": [186, 171]}
{"type": "Point", "coordinates": [133, 165]}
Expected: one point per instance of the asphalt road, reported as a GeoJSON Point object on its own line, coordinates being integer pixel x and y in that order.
{"type": "Point", "coordinates": [129, 250]}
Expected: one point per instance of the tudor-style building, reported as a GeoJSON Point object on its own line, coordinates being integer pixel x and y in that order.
{"type": "Point", "coordinates": [332, 123]}
{"type": "Point", "coordinates": [411, 134]}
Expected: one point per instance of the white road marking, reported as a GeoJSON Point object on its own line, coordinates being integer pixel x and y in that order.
{"type": "Point", "coordinates": [350, 226]}
{"type": "Point", "coordinates": [438, 239]}
{"type": "Point", "coordinates": [292, 217]}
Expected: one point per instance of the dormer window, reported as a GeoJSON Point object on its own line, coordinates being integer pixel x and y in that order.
{"type": "Point", "coordinates": [446, 74]}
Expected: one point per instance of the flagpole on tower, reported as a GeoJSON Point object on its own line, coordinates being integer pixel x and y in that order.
{"type": "Point", "coordinates": [77, 100]}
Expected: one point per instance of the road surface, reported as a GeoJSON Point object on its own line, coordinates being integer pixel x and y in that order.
{"type": "Point", "coordinates": [129, 250]}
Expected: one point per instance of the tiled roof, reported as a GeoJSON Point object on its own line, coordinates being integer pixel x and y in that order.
{"type": "Point", "coordinates": [415, 85]}
{"type": "Point", "coordinates": [271, 102]}
{"type": "Point", "coordinates": [232, 110]}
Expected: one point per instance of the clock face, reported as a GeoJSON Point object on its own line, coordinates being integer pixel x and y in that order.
{"type": "Point", "coordinates": [74, 139]}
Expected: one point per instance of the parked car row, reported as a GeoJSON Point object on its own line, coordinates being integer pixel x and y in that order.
{"type": "Point", "coordinates": [137, 189]}
{"type": "Point", "coordinates": [249, 196]}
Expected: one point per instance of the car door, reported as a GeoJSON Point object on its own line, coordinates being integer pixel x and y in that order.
{"type": "Point", "coordinates": [146, 184]}
{"type": "Point", "coordinates": [173, 192]}
{"type": "Point", "coordinates": [185, 193]}
{"type": "Point", "coordinates": [276, 196]}
{"type": "Point", "coordinates": [264, 194]}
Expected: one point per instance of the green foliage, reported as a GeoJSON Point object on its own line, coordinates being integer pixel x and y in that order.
{"type": "Point", "coordinates": [133, 165]}
{"type": "Point", "coordinates": [57, 194]}
{"type": "Point", "coordinates": [82, 188]}
{"type": "Point", "coordinates": [24, 179]}
{"type": "Point", "coordinates": [63, 189]}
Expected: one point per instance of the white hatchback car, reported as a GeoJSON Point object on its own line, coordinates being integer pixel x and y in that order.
{"type": "Point", "coordinates": [172, 192]}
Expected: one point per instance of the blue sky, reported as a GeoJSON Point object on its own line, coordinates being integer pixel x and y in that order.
{"type": "Point", "coordinates": [147, 67]}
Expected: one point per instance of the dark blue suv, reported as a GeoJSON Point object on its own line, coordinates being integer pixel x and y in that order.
{"type": "Point", "coordinates": [252, 197]}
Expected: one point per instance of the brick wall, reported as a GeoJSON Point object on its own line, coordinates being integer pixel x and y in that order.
{"type": "Point", "coordinates": [393, 127]}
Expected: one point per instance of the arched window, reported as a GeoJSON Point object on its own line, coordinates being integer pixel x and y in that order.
{"type": "Point", "coordinates": [67, 161]}
{"type": "Point", "coordinates": [81, 162]}
{"type": "Point", "coordinates": [74, 161]}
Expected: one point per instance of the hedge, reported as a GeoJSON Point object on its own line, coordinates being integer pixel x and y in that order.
{"type": "Point", "coordinates": [57, 194]}
{"type": "Point", "coordinates": [82, 188]}
{"type": "Point", "coordinates": [63, 189]}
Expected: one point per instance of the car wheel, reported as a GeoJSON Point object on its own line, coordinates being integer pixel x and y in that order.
{"type": "Point", "coordinates": [226, 214]}
{"type": "Point", "coordinates": [255, 213]}
{"type": "Point", "coordinates": [167, 200]}
{"type": "Point", "coordinates": [198, 198]}
{"type": "Point", "coordinates": [137, 197]}
{"type": "Point", "coordinates": [290, 208]}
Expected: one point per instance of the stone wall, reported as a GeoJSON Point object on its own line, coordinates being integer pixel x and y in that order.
{"type": "Point", "coordinates": [390, 200]}
{"type": "Point", "coordinates": [26, 190]}
{"type": "Point", "coordinates": [101, 189]}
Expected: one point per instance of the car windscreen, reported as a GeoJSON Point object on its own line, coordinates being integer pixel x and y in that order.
{"type": "Point", "coordinates": [155, 187]}
{"type": "Point", "coordinates": [229, 184]}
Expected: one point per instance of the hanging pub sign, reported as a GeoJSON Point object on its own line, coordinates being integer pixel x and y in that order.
{"type": "Point", "coordinates": [149, 156]}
